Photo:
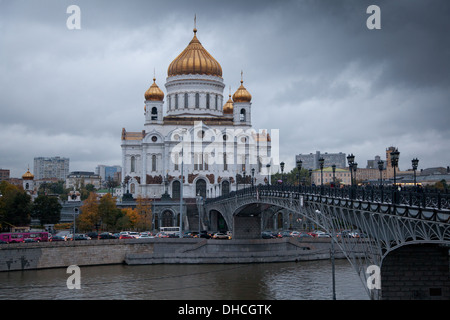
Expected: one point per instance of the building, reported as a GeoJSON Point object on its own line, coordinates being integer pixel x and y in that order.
{"type": "Point", "coordinates": [107, 172]}
{"type": "Point", "coordinates": [77, 179]}
{"type": "Point", "coordinates": [51, 167]}
{"type": "Point", "coordinates": [373, 164]}
{"type": "Point", "coordinates": [341, 176]}
{"type": "Point", "coordinates": [4, 174]}
{"type": "Point", "coordinates": [204, 145]}
{"type": "Point", "coordinates": [311, 161]}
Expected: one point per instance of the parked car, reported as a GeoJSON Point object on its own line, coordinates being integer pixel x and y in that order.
{"type": "Point", "coordinates": [106, 235]}
{"type": "Point", "coordinates": [81, 237]}
{"type": "Point", "coordinates": [267, 235]}
{"type": "Point", "coordinates": [220, 235]}
{"type": "Point", "coordinates": [58, 238]}
{"type": "Point", "coordinates": [125, 236]}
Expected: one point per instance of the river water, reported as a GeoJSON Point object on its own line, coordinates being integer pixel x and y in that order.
{"type": "Point", "coordinates": [306, 280]}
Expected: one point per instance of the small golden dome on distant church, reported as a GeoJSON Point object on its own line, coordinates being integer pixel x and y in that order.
{"type": "Point", "coordinates": [154, 93]}
{"type": "Point", "coordinates": [28, 175]}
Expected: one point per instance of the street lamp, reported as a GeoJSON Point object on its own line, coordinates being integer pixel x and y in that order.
{"type": "Point", "coordinates": [321, 162]}
{"type": "Point", "coordinates": [253, 177]}
{"type": "Point", "coordinates": [415, 163]}
{"type": "Point", "coordinates": [243, 173]}
{"type": "Point", "coordinates": [395, 155]}
{"type": "Point", "coordinates": [333, 167]}
{"type": "Point", "coordinates": [380, 167]}
{"type": "Point", "coordinates": [351, 161]}
{"type": "Point", "coordinates": [268, 173]}
{"type": "Point", "coordinates": [299, 167]}
{"type": "Point", "coordinates": [282, 178]}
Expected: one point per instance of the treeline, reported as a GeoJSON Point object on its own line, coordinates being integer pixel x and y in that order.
{"type": "Point", "coordinates": [103, 214]}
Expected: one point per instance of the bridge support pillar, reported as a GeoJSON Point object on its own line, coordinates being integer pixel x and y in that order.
{"type": "Point", "coordinates": [247, 227]}
{"type": "Point", "coordinates": [416, 272]}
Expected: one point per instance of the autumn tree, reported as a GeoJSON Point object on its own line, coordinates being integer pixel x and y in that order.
{"type": "Point", "coordinates": [89, 215]}
{"type": "Point", "coordinates": [144, 211]}
{"type": "Point", "coordinates": [108, 212]}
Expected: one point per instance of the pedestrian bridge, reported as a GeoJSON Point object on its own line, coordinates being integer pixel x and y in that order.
{"type": "Point", "coordinates": [406, 234]}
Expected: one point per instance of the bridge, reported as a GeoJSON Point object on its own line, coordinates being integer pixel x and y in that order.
{"type": "Point", "coordinates": [405, 234]}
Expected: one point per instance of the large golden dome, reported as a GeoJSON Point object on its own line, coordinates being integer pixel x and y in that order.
{"type": "Point", "coordinates": [154, 93]}
{"type": "Point", "coordinates": [241, 94]}
{"type": "Point", "coordinates": [194, 60]}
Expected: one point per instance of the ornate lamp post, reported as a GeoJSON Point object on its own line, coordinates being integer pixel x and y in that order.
{"type": "Point", "coordinates": [321, 162]}
{"type": "Point", "coordinates": [395, 155]}
{"type": "Point", "coordinates": [351, 161]}
{"type": "Point", "coordinates": [253, 177]}
{"type": "Point", "coordinates": [268, 173]}
{"type": "Point", "coordinates": [282, 177]}
{"type": "Point", "coordinates": [299, 167]}
{"type": "Point", "coordinates": [333, 167]}
{"type": "Point", "coordinates": [380, 167]}
{"type": "Point", "coordinates": [415, 163]}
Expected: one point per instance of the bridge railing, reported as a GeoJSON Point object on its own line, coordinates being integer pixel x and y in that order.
{"type": "Point", "coordinates": [421, 198]}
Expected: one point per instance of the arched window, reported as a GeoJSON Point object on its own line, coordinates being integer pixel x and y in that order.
{"type": "Point", "coordinates": [225, 188]}
{"type": "Point", "coordinates": [154, 113]}
{"type": "Point", "coordinates": [200, 188]}
{"type": "Point", "coordinates": [242, 115]}
{"type": "Point", "coordinates": [217, 104]}
{"type": "Point", "coordinates": [186, 100]}
{"type": "Point", "coordinates": [207, 100]}
{"type": "Point", "coordinates": [197, 100]}
{"type": "Point", "coordinates": [132, 188]}
{"type": "Point", "coordinates": [166, 219]}
{"type": "Point", "coordinates": [176, 101]}
{"type": "Point", "coordinates": [133, 164]}
{"type": "Point", "coordinates": [176, 187]}
{"type": "Point", "coordinates": [153, 162]}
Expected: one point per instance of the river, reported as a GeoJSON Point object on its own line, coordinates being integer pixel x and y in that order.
{"type": "Point", "coordinates": [306, 280]}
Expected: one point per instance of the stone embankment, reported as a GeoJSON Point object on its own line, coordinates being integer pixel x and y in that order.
{"type": "Point", "coordinates": [25, 256]}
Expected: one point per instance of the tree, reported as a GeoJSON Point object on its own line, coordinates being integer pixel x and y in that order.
{"type": "Point", "coordinates": [144, 211]}
{"type": "Point", "coordinates": [89, 216]}
{"type": "Point", "coordinates": [15, 206]}
{"type": "Point", "coordinates": [47, 209]}
{"type": "Point", "coordinates": [108, 212]}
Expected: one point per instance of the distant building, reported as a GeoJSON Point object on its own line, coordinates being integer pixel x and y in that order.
{"type": "Point", "coordinates": [4, 174]}
{"type": "Point", "coordinates": [373, 164]}
{"type": "Point", "coordinates": [51, 167]}
{"type": "Point", "coordinates": [311, 161]}
{"type": "Point", "coordinates": [341, 176]}
{"type": "Point", "coordinates": [108, 172]}
{"type": "Point", "coordinates": [77, 179]}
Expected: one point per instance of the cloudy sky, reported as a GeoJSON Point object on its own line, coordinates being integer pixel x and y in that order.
{"type": "Point", "coordinates": [314, 69]}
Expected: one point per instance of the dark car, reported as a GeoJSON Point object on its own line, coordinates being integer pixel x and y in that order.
{"type": "Point", "coordinates": [57, 238]}
{"type": "Point", "coordinates": [106, 235]}
{"type": "Point", "coordinates": [267, 235]}
{"type": "Point", "coordinates": [205, 234]}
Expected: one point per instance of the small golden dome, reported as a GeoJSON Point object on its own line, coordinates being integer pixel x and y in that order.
{"type": "Point", "coordinates": [241, 94]}
{"type": "Point", "coordinates": [154, 93]}
{"type": "Point", "coordinates": [28, 175]}
{"type": "Point", "coordinates": [228, 107]}
{"type": "Point", "coordinates": [194, 60]}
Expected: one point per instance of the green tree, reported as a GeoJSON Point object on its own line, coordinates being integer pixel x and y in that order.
{"type": "Point", "coordinates": [108, 212]}
{"type": "Point", "coordinates": [15, 206]}
{"type": "Point", "coordinates": [47, 209]}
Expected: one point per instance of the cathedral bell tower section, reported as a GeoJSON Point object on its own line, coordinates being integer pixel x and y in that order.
{"type": "Point", "coordinates": [154, 101]}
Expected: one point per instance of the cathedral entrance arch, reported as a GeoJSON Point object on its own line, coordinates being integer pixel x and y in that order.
{"type": "Point", "coordinates": [200, 188]}
{"type": "Point", "coordinates": [225, 188]}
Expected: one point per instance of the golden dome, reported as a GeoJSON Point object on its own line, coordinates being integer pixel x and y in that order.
{"type": "Point", "coordinates": [194, 60]}
{"type": "Point", "coordinates": [154, 93]}
{"type": "Point", "coordinates": [241, 94]}
{"type": "Point", "coordinates": [228, 107]}
{"type": "Point", "coordinates": [28, 175]}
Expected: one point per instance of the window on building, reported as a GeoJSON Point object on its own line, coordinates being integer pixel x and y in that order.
{"type": "Point", "coordinates": [197, 100]}
{"type": "Point", "coordinates": [153, 162]}
{"type": "Point", "coordinates": [207, 101]}
{"type": "Point", "coordinates": [242, 115]}
{"type": "Point", "coordinates": [176, 187]}
{"type": "Point", "coordinates": [225, 188]}
{"type": "Point", "coordinates": [186, 100]}
{"type": "Point", "coordinates": [217, 104]}
{"type": "Point", "coordinates": [154, 113]}
{"type": "Point", "coordinates": [200, 188]}
{"type": "Point", "coordinates": [133, 164]}
{"type": "Point", "coordinates": [176, 101]}
{"type": "Point", "coordinates": [225, 164]}
{"type": "Point", "coordinates": [176, 164]}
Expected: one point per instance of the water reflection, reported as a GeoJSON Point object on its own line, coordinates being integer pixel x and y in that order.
{"type": "Point", "coordinates": [275, 281]}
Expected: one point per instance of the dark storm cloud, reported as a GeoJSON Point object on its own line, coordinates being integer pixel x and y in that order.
{"type": "Point", "coordinates": [313, 68]}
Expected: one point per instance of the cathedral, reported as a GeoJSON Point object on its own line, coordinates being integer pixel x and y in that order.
{"type": "Point", "coordinates": [195, 142]}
